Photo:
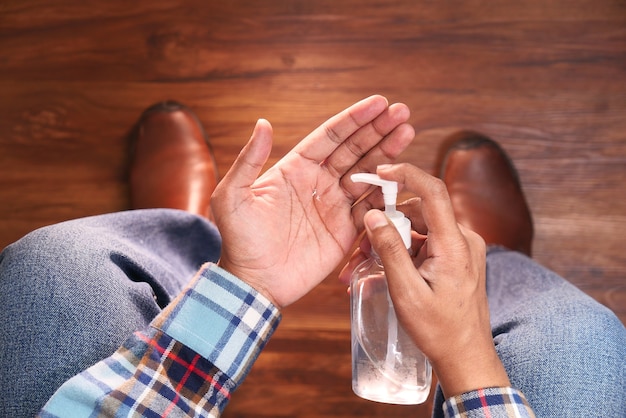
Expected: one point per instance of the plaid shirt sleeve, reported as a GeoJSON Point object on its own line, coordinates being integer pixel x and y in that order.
{"type": "Point", "coordinates": [502, 402]}
{"type": "Point", "coordinates": [195, 353]}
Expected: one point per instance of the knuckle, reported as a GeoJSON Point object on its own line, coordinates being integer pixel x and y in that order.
{"type": "Point", "coordinates": [404, 167]}
{"type": "Point", "coordinates": [438, 188]}
{"type": "Point", "coordinates": [356, 148]}
{"type": "Point", "coordinates": [388, 243]}
{"type": "Point", "coordinates": [331, 134]}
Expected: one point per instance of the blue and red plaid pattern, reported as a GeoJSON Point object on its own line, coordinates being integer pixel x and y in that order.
{"type": "Point", "coordinates": [197, 351]}
{"type": "Point", "coordinates": [489, 403]}
{"type": "Point", "coordinates": [169, 379]}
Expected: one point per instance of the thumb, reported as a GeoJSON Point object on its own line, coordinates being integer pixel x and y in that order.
{"type": "Point", "coordinates": [252, 157]}
{"type": "Point", "coordinates": [385, 239]}
{"type": "Point", "coordinates": [388, 244]}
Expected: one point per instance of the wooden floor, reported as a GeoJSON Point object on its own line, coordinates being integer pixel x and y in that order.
{"type": "Point", "coordinates": [546, 79]}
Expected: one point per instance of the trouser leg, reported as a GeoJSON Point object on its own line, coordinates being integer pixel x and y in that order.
{"type": "Point", "coordinates": [70, 294]}
{"type": "Point", "coordinates": [564, 350]}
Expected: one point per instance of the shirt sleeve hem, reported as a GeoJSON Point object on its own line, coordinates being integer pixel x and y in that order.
{"type": "Point", "coordinates": [487, 402]}
{"type": "Point", "coordinates": [221, 318]}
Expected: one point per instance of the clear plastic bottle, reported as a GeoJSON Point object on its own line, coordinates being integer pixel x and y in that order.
{"type": "Point", "coordinates": [386, 365]}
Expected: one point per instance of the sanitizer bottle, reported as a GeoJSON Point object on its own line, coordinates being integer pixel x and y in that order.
{"type": "Point", "coordinates": [386, 365]}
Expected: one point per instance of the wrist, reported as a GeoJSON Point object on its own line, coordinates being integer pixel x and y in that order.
{"type": "Point", "coordinates": [469, 372]}
{"type": "Point", "coordinates": [249, 279]}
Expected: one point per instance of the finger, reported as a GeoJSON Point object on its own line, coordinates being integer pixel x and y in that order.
{"type": "Point", "coordinates": [403, 278]}
{"type": "Point", "coordinates": [436, 207]}
{"type": "Point", "coordinates": [360, 254]}
{"type": "Point", "coordinates": [357, 258]}
{"type": "Point", "coordinates": [373, 200]}
{"type": "Point", "coordinates": [419, 250]}
{"type": "Point", "coordinates": [412, 209]}
{"type": "Point", "coordinates": [417, 242]}
{"type": "Point", "coordinates": [320, 143]}
{"type": "Point", "coordinates": [248, 165]}
{"type": "Point", "coordinates": [387, 151]}
{"type": "Point", "coordinates": [363, 140]}
{"type": "Point", "coordinates": [477, 248]}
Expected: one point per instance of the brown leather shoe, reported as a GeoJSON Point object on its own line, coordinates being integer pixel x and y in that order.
{"type": "Point", "coordinates": [172, 164]}
{"type": "Point", "coordinates": [486, 192]}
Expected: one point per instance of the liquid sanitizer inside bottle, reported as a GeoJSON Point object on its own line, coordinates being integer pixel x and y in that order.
{"type": "Point", "coordinates": [386, 365]}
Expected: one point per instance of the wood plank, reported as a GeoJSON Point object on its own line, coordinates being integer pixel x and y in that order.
{"type": "Point", "coordinates": [546, 79]}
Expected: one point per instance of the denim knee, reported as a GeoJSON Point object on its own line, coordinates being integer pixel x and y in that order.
{"type": "Point", "coordinates": [61, 310]}
{"type": "Point", "coordinates": [567, 353]}
{"type": "Point", "coordinates": [71, 259]}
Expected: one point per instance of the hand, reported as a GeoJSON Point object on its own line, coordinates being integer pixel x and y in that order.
{"type": "Point", "coordinates": [439, 294]}
{"type": "Point", "coordinates": [286, 231]}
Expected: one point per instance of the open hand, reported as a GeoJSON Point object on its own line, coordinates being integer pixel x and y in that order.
{"type": "Point", "coordinates": [284, 232]}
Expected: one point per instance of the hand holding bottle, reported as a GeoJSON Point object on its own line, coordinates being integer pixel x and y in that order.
{"type": "Point", "coordinates": [438, 293]}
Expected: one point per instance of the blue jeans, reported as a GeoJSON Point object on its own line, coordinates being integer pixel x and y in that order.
{"type": "Point", "coordinates": [70, 294]}
{"type": "Point", "coordinates": [565, 351]}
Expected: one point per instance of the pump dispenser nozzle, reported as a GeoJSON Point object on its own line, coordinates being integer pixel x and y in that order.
{"type": "Point", "coordinates": [390, 194]}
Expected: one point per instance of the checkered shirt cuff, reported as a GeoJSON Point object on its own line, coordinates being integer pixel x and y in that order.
{"type": "Point", "coordinates": [223, 319]}
{"type": "Point", "coordinates": [490, 402]}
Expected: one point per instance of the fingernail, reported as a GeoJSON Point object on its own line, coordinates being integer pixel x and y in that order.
{"type": "Point", "coordinates": [375, 219]}
{"type": "Point", "coordinates": [383, 167]}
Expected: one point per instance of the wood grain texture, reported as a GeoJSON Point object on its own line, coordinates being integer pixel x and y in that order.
{"type": "Point", "coordinates": [545, 79]}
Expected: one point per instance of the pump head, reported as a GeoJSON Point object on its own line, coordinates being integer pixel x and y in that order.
{"type": "Point", "coordinates": [390, 194]}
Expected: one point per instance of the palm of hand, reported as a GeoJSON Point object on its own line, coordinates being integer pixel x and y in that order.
{"type": "Point", "coordinates": [297, 225]}
{"type": "Point", "coordinates": [285, 231]}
